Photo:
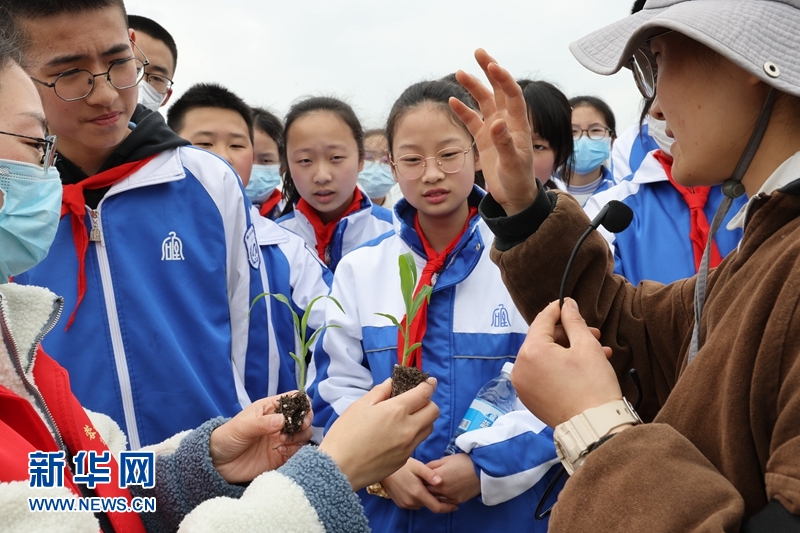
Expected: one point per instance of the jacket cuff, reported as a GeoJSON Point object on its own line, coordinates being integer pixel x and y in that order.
{"type": "Point", "coordinates": [184, 479]}
{"type": "Point", "coordinates": [327, 489]}
{"type": "Point", "coordinates": [510, 231]}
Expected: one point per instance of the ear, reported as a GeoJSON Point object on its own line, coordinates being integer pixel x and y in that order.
{"type": "Point", "coordinates": [131, 35]}
{"type": "Point", "coordinates": [361, 164]}
{"type": "Point", "coordinates": [169, 94]}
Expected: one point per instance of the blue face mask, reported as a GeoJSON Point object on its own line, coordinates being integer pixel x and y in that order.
{"type": "Point", "coordinates": [31, 209]}
{"type": "Point", "coordinates": [590, 154]}
{"type": "Point", "coordinates": [263, 180]}
{"type": "Point", "coordinates": [376, 179]}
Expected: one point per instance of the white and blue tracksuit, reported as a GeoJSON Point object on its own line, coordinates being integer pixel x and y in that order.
{"type": "Point", "coordinates": [630, 149]}
{"type": "Point", "coordinates": [606, 180]}
{"type": "Point", "coordinates": [473, 329]}
{"type": "Point", "coordinates": [164, 338]}
{"type": "Point", "coordinates": [656, 246]}
{"type": "Point", "coordinates": [355, 229]}
{"type": "Point", "coordinates": [290, 269]}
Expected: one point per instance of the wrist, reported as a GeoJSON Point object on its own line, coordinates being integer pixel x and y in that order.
{"type": "Point", "coordinates": [575, 438]}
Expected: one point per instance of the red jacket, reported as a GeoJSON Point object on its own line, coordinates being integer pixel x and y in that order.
{"type": "Point", "coordinates": [22, 430]}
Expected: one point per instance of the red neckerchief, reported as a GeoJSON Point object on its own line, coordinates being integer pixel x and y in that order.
{"type": "Point", "coordinates": [695, 198]}
{"type": "Point", "coordinates": [73, 203]}
{"type": "Point", "coordinates": [269, 205]}
{"type": "Point", "coordinates": [79, 434]}
{"type": "Point", "coordinates": [435, 264]}
{"type": "Point", "coordinates": [324, 232]}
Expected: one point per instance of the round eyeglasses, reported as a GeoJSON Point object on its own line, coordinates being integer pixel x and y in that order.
{"type": "Point", "coordinates": [595, 133]}
{"type": "Point", "coordinates": [449, 160]}
{"type": "Point", "coordinates": [78, 83]}
{"type": "Point", "coordinates": [645, 69]}
{"type": "Point", "coordinates": [161, 84]}
{"type": "Point", "coordinates": [46, 146]}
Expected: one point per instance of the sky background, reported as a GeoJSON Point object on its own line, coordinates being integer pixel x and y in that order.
{"type": "Point", "coordinates": [273, 52]}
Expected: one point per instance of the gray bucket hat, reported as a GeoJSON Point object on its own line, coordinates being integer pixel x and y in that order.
{"type": "Point", "coordinates": [760, 36]}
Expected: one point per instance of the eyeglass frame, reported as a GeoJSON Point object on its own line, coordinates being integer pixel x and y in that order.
{"type": "Point", "coordinates": [50, 142]}
{"type": "Point", "coordinates": [436, 158]}
{"type": "Point", "coordinates": [146, 78]}
{"type": "Point", "coordinates": [114, 63]}
{"type": "Point", "coordinates": [634, 65]}
{"type": "Point", "coordinates": [609, 133]}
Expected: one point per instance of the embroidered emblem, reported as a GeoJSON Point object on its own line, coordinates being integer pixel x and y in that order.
{"type": "Point", "coordinates": [251, 244]}
{"type": "Point", "coordinates": [500, 318]}
{"type": "Point", "coordinates": [172, 248]}
{"type": "Point", "coordinates": [89, 432]}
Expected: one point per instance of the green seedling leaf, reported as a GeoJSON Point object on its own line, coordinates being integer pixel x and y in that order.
{"type": "Point", "coordinates": [424, 295]}
{"type": "Point", "coordinates": [408, 277]}
{"type": "Point", "coordinates": [300, 326]}
{"type": "Point", "coordinates": [314, 335]}
{"type": "Point", "coordinates": [390, 317]}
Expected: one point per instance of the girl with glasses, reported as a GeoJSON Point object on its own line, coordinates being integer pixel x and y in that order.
{"type": "Point", "coordinates": [323, 153]}
{"type": "Point", "coordinates": [593, 133]}
{"type": "Point", "coordinates": [468, 330]}
{"type": "Point", "coordinates": [717, 353]}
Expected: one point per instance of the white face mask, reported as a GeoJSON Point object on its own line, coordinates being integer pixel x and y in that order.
{"type": "Point", "coordinates": [149, 97]}
{"type": "Point", "coordinates": [658, 131]}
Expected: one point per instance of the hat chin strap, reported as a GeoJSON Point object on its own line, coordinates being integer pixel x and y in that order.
{"type": "Point", "coordinates": [731, 188]}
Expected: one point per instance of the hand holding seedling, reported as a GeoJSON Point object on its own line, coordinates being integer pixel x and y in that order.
{"type": "Point", "coordinates": [295, 406]}
{"type": "Point", "coordinates": [251, 443]}
{"type": "Point", "coordinates": [376, 435]}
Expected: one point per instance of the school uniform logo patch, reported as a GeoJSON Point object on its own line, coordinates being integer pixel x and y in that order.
{"type": "Point", "coordinates": [251, 244]}
{"type": "Point", "coordinates": [500, 318]}
{"type": "Point", "coordinates": [172, 248]}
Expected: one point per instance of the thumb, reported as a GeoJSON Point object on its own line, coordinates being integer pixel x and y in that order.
{"type": "Point", "coordinates": [378, 393]}
{"type": "Point", "coordinates": [502, 139]}
{"type": "Point", "coordinates": [254, 427]}
{"type": "Point", "coordinates": [543, 327]}
{"type": "Point", "coordinates": [574, 325]}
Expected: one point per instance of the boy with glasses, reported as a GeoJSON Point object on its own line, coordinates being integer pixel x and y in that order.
{"type": "Point", "coordinates": [156, 255]}
{"type": "Point", "coordinates": [158, 46]}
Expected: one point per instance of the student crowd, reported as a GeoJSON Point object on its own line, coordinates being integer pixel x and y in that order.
{"type": "Point", "coordinates": [158, 240]}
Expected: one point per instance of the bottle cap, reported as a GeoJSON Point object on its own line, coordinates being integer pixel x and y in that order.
{"type": "Point", "coordinates": [508, 367]}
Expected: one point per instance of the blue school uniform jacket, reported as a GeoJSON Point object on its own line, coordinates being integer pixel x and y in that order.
{"type": "Point", "coordinates": [656, 246]}
{"type": "Point", "coordinates": [473, 329]}
{"type": "Point", "coordinates": [164, 338]}
{"type": "Point", "coordinates": [630, 149]}
{"type": "Point", "coordinates": [355, 229]}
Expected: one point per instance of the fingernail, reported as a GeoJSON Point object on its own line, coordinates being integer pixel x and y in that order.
{"type": "Point", "coordinates": [572, 304]}
{"type": "Point", "coordinates": [276, 422]}
{"type": "Point", "coordinates": [436, 480]}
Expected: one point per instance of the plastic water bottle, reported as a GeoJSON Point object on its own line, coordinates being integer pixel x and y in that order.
{"type": "Point", "coordinates": [495, 398]}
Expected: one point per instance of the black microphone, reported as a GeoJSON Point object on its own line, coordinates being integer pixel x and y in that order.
{"type": "Point", "coordinates": [615, 217]}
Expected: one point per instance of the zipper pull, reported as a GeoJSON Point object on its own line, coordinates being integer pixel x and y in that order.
{"type": "Point", "coordinates": [94, 234]}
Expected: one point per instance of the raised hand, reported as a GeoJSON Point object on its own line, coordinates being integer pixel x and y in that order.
{"type": "Point", "coordinates": [376, 435]}
{"type": "Point", "coordinates": [251, 443]}
{"type": "Point", "coordinates": [503, 134]}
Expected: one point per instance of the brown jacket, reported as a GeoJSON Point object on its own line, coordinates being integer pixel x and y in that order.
{"type": "Point", "coordinates": [725, 431]}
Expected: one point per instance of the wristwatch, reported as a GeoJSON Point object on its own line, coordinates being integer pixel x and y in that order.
{"type": "Point", "coordinates": [575, 437]}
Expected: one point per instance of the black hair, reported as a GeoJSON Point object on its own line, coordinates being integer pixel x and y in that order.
{"type": "Point", "coordinates": [551, 118]}
{"type": "Point", "coordinates": [212, 95]}
{"type": "Point", "coordinates": [453, 79]}
{"type": "Point", "coordinates": [375, 131]}
{"type": "Point", "coordinates": [600, 106]}
{"type": "Point", "coordinates": [638, 5]}
{"type": "Point", "coordinates": [269, 124]}
{"type": "Point", "coordinates": [315, 104]}
{"type": "Point", "coordinates": [438, 94]}
{"type": "Point", "coordinates": [156, 31]}
{"type": "Point", "coordinates": [9, 55]}
{"type": "Point", "coordinates": [14, 11]}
